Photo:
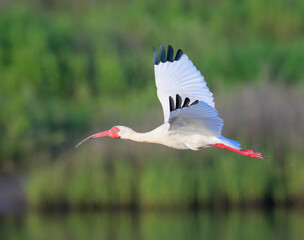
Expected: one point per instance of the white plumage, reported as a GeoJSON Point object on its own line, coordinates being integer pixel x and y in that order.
{"type": "Point", "coordinates": [180, 77]}
{"type": "Point", "coordinates": [190, 118]}
{"type": "Point", "coordinates": [198, 118]}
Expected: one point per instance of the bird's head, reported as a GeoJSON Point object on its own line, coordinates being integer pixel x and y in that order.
{"type": "Point", "coordinates": [114, 132]}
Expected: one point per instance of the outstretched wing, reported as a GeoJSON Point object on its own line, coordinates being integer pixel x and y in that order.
{"type": "Point", "coordinates": [178, 76]}
{"type": "Point", "coordinates": [196, 118]}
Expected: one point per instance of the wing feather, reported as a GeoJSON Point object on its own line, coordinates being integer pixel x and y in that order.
{"type": "Point", "coordinates": [178, 76]}
{"type": "Point", "coordinates": [200, 117]}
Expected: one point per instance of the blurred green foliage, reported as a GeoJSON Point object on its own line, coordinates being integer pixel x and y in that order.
{"type": "Point", "coordinates": [59, 62]}
{"type": "Point", "coordinates": [212, 181]}
{"type": "Point", "coordinates": [115, 173]}
{"type": "Point", "coordinates": [68, 67]}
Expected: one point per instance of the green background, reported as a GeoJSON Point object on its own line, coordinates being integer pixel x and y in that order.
{"type": "Point", "coordinates": [69, 69]}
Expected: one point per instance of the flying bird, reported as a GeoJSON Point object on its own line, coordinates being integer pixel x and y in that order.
{"type": "Point", "coordinates": [190, 118]}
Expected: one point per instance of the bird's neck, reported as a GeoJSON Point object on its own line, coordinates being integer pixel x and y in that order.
{"type": "Point", "coordinates": [151, 136]}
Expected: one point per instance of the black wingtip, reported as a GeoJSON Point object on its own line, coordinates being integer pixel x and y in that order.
{"type": "Point", "coordinates": [178, 55]}
{"type": "Point", "coordinates": [178, 101]}
{"type": "Point", "coordinates": [161, 56]}
{"type": "Point", "coordinates": [171, 104]}
{"type": "Point", "coordinates": [195, 102]}
{"type": "Point", "coordinates": [156, 58]}
{"type": "Point", "coordinates": [186, 102]}
{"type": "Point", "coordinates": [170, 54]}
{"type": "Point", "coordinates": [162, 53]}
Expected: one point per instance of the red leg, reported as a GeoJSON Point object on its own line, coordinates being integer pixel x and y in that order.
{"type": "Point", "coordinates": [249, 153]}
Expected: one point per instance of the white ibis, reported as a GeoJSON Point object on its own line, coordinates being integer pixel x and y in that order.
{"type": "Point", "coordinates": [190, 118]}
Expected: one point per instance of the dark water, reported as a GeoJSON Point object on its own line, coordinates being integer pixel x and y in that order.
{"type": "Point", "coordinates": [280, 224]}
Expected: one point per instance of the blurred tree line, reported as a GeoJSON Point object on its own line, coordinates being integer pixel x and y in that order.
{"type": "Point", "coordinates": [59, 60]}
{"type": "Point", "coordinates": [67, 68]}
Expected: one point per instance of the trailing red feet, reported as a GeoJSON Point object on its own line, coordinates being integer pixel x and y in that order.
{"type": "Point", "coordinates": [247, 152]}
{"type": "Point", "coordinates": [251, 153]}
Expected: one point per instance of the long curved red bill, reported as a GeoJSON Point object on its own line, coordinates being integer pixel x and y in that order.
{"type": "Point", "coordinates": [100, 134]}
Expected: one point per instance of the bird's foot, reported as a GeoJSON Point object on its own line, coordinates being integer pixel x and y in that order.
{"type": "Point", "coordinates": [247, 152]}
{"type": "Point", "coordinates": [251, 153]}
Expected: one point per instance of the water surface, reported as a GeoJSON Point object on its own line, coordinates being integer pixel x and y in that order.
{"type": "Point", "coordinates": [249, 224]}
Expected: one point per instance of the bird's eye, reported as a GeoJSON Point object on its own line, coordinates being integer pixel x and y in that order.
{"type": "Point", "coordinates": [115, 130]}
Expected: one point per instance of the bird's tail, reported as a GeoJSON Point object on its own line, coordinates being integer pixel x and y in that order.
{"type": "Point", "coordinates": [230, 143]}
